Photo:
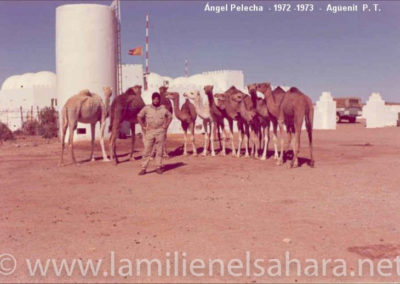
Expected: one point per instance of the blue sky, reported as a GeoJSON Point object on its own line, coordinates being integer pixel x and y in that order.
{"type": "Point", "coordinates": [350, 54]}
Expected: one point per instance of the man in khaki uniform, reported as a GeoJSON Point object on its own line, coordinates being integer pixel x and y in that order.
{"type": "Point", "coordinates": [154, 119]}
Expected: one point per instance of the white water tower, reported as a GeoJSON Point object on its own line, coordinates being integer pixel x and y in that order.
{"type": "Point", "coordinates": [86, 53]}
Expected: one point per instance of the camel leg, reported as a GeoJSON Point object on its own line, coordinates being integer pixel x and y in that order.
{"type": "Point", "coordinates": [102, 128]}
{"type": "Point", "coordinates": [275, 140]}
{"type": "Point", "coordinates": [296, 148]}
{"type": "Point", "coordinates": [240, 127]}
{"type": "Point", "coordinates": [192, 139]}
{"type": "Point", "coordinates": [212, 138]}
{"type": "Point", "coordinates": [230, 122]}
{"type": "Point", "coordinates": [205, 138]}
{"type": "Point", "coordinates": [72, 127]}
{"type": "Point", "coordinates": [266, 141]}
{"type": "Point", "coordinates": [223, 151]}
{"type": "Point", "coordinates": [63, 133]}
{"type": "Point", "coordinates": [93, 132]}
{"type": "Point", "coordinates": [185, 142]}
{"type": "Point", "coordinates": [112, 143]}
{"type": "Point", "coordinates": [289, 144]}
{"type": "Point", "coordinates": [257, 143]}
{"type": "Point", "coordinates": [281, 141]}
{"type": "Point", "coordinates": [133, 134]}
{"type": "Point", "coordinates": [246, 139]}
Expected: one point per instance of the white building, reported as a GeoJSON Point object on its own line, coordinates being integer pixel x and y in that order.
{"type": "Point", "coordinates": [21, 96]}
{"type": "Point", "coordinates": [378, 114]}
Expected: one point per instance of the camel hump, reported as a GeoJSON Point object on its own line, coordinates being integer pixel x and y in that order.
{"type": "Point", "coordinates": [86, 93]}
{"type": "Point", "coordinates": [279, 90]}
{"type": "Point", "coordinates": [294, 90]}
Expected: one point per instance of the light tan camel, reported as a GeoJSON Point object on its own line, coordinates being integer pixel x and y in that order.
{"type": "Point", "coordinates": [203, 111]}
{"type": "Point", "coordinates": [125, 107]}
{"type": "Point", "coordinates": [217, 117]}
{"type": "Point", "coordinates": [85, 107]}
{"type": "Point", "coordinates": [265, 120]}
{"type": "Point", "coordinates": [187, 115]}
{"type": "Point", "coordinates": [291, 109]}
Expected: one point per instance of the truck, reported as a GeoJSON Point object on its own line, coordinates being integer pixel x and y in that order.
{"type": "Point", "coordinates": [348, 108]}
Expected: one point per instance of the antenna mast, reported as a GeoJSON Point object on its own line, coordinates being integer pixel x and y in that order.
{"type": "Point", "coordinates": [147, 53]}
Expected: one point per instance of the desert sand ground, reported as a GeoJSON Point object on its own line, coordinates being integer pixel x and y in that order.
{"type": "Point", "coordinates": [346, 207]}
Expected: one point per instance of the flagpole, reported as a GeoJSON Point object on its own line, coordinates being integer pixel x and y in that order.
{"type": "Point", "coordinates": [147, 53]}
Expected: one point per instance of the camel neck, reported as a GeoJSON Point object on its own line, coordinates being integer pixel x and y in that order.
{"type": "Point", "coordinates": [271, 103]}
{"type": "Point", "coordinates": [253, 99]}
{"type": "Point", "coordinates": [210, 97]}
{"type": "Point", "coordinates": [177, 110]}
{"type": "Point", "coordinates": [107, 104]}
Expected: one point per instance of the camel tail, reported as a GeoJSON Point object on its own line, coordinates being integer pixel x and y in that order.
{"type": "Point", "coordinates": [309, 122]}
{"type": "Point", "coordinates": [111, 120]}
{"type": "Point", "coordinates": [64, 119]}
{"type": "Point", "coordinates": [309, 125]}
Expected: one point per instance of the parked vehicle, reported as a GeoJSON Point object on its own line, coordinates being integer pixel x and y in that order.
{"type": "Point", "coordinates": [348, 108]}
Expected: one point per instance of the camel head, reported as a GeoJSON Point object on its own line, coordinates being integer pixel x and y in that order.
{"type": "Point", "coordinates": [252, 89]}
{"type": "Point", "coordinates": [237, 97]}
{"type": "Point", "coordinates": [107, 92]}
{"type": "Point", "coordinates": [208, 89]}
{"type": "Point", "coordinates": [263, 87]}
{"type": "Point", "coordinates": [194, 95]}
{"type": "Point", "coordinates": [221, 97]}
{"type": "Point", "coordinates": [137, 89]}
{"type": "Point", "coordinates": [172, 96]}
{"type": "Point", "coordinates": [134, 91]}
{"type": "Point", "coordinates": [163, 90]}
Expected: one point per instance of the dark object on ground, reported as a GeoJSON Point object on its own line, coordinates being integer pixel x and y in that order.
{"type": "Point", "coordinates": [5, 133]}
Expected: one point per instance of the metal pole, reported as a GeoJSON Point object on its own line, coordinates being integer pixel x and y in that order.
{"type": "Point", "coordinates": [147, 53]}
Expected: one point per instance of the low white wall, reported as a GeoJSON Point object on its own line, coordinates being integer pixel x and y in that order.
{"type": "Point", "coordinates": [377, 114]}
{"type": "Point", "coordinates": [325, 112]}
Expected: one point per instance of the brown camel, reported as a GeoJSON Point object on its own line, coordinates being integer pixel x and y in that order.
{"type": "Point", "coordinates": [217, 117]}
{"type": "Point", "coordinates": [187, 115]}
{"type": "Point", "coordinates": [85, 107]}
{"type": "Point", "coordinates": [265, 120]}
{"type": "Point", "coordinates": [125, 107]}
{"type": "Point", "coordinates": [238, 107]}
{"type": "Point", "coordinates": [291, 109]}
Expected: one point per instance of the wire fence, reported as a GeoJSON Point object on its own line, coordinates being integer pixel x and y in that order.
{"type": "Point", "coordinates": [14, 118]}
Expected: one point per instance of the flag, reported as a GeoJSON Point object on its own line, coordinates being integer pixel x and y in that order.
{"type": "Point", "coordinates": [136, 51]}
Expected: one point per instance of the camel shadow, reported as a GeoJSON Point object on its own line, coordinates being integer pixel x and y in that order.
{"type": "Point", "coordinates": [134, 158]}
{"type": "Point", "coordinates": [169, 167]}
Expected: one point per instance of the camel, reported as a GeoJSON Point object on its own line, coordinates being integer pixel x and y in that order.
{"type": "Point", "coordinates": [290, 109]}
{"type": "Point", "coordinates": [238, 107]}
{"type": "Point", "coordinates": [203, 111]}
{"type": "Point", "coordinates": [125, 107]}
{"type": "Point", "coordinates": [265, 120]}
{"type": "Point", "coordinates": [84, 107]}
{"type": "Point", "coordinates": [187, 115]}
{"type": "Point", "coordinates": [217, 117]}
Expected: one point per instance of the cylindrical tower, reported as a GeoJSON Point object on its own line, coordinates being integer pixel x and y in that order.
{"type": "Point", "coordinates": [86, 54]}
